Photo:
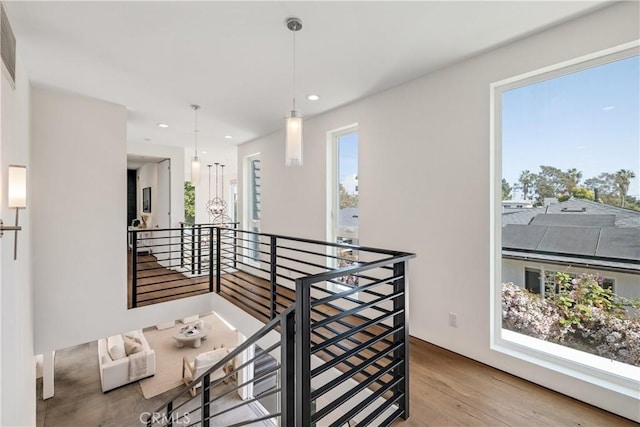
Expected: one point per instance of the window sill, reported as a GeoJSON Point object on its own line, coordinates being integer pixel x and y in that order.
{"type": "Point", "coordinates": [609, 374]}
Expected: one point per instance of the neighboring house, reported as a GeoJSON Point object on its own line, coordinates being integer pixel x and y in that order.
{"type": "Point", "coordinates": [577, 236]}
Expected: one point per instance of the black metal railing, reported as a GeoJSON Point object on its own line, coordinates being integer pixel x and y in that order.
{"type": "Point", "coordinates": [212, 405]}
{"type": "Point", "coordinates": [348, 307]}
{"type": "Point", "coordinates": [166, 264]}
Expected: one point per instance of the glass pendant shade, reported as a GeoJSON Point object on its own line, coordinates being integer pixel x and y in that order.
{"type": "Point", "coordinates": [293, 154]}
{"type": "Point", "coordinates": [195, 171]}
{"type": "Point", "coordinates": [17, 187]}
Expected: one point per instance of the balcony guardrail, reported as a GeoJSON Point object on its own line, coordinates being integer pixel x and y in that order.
{"type": "Point", "coordinates": [348, 307]}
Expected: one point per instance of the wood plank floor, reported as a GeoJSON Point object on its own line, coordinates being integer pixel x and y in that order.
{"type": "Point", "coordinates": [157, 284]}
{"type": "Point", "coordinates": [451, 390]}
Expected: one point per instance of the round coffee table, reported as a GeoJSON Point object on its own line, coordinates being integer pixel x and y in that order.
{"type": "Point", "coordinates": [192, 335]}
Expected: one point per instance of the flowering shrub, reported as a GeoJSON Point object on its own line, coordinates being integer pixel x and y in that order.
{"type": "Point", "coordinates": [580, 314]}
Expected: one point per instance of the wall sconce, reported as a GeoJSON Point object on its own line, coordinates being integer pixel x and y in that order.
{"type": "Point", "coordinates": [17, 196]}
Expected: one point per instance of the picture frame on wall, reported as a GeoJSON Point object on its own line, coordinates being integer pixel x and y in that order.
{"type": "Point", "coordinates": [146, 200]}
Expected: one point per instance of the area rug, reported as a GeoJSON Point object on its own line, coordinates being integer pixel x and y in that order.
{"type": "Point", "coordinates": [169, 358]}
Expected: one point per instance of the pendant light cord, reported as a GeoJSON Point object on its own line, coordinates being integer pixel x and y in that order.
{"type": "Point", "coordinates": [196, 131]}
{"type": "Point", "coordinates": [294, 70]}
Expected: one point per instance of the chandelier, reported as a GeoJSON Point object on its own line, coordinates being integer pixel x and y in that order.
{"type": "Point", "coordinates": [217, 207]}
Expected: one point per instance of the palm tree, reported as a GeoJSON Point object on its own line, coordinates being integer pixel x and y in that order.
{"type": "Point", "coordinates": [573, 177]}
{"type": "Point", "coordinates": [526, 179]}
{"type": "Point", "coordinates": [622, 179]}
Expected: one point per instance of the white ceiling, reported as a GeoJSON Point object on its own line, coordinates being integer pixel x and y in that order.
{"type": "Point", "coordinates": [235, 58]}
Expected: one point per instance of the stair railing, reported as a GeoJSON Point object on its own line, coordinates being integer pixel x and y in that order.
{"type": "Point", "coordinates": [341, 314]}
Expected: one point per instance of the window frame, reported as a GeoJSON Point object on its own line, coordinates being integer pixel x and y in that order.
{"type": "Point", "coordinates": [333, 198]}
{"type": "Point", "coordinates": [250, 222]}
{"type": "Point", "coordinates": [612, 375]}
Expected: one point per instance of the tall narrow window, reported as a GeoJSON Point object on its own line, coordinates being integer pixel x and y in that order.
{"type": "Point", "coordinates": [343, 194]}
{"type": "Point", "coordinates": [567, 200]}
{"type": "Point", "coordinates": [254, 201]}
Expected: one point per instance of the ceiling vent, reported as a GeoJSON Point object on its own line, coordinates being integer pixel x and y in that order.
{"type": "Point", "coordinates": [7, 47]}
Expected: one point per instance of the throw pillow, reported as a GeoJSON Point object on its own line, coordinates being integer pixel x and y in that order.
{"type": "Point", "coordinates": [132, 345]}
{"type": "Point", "coordinates": [115, 347]}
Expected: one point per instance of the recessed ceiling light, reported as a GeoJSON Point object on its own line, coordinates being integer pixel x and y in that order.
{"type": "Point", "coordinates": [228, 137]}
{"type": "Point", "coordinates": [163, 125]}
{"type": "Point", "coordinates": [203, 152]}
{"type": "Point", "coordinates": [313, 97]}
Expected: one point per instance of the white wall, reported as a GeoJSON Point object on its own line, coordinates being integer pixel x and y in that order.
{"type": "Point", "coordinates": [17, 361]}
{"type": "Point", "coordinates": [422, 145]}
{"type": "Point", "coordinates": [176, 155]}
{"type": "Point", "coordinates": [79, 262]}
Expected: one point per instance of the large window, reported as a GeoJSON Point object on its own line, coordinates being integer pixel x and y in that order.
{"type": "Point", "coordinates": [566, 193]}
{"type": "Point", "coordinates": [343, 195]}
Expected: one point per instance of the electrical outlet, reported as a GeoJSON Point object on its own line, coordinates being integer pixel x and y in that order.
{"type": "Point", "coordinates": [453, 320]}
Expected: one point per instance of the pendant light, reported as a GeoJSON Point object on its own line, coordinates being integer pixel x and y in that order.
{"type": "Point", "coordinates": [195, 163]}
{"type": "Point", "coordinates": [293, 148]}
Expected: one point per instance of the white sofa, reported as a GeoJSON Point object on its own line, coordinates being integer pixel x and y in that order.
{"type": "Point", "coordinates": [115, 373]}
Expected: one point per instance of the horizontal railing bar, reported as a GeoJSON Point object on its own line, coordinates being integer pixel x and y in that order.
{"type": "Point", "coordinates": [355, 310]}
{"type": "Point", "coordinates": [179, 287]}
{"type": "Point", "coordinates": [347, 324]}
{"type": "Point", "coordinates": [282, 276]}
{"type": "Point", "coordinates": [239, 386]}
{"type": "Point", "coordinates": [365, 345]}
{"type": "Point", "coordinates": [353, 290]}
{"type": "Point", "coordinates": [383, 407]}
{"type": "Point", "coordinates": [346, 361]}
{"type": "Point", "coordinates": [354, 330]}
{"type": "Point", "coordinates": [350, 338]}
{"type": "Point", "coordinates": [395, 254]}
{"type": "Point", "coordinates": [167, 288]}
{"type": "Point", "coordinates": [379, 410]}
{"type": "Point", "coordinates": [249, 297]}
{"type": "Point", "coordinates": [352, 270]}
{"type": "Point", "coordinates": [312, 264]}
{"type": "Point", "coordinates": [250, 308]}
{"type": "Point", "coordinates": [324, 255]}
{"type": "Point", "coordinates": [166, 273]}
{"type": "Point", "coordinates": [346, 349]}
{"type": "Point", "coordinates": [227, 275]}
{"type": "Point", "coordinates": [352, 392]}
{"type": "Point", "coordinates": [293, 269]}
{"type": "Point", "coordinates": [249, 265]}
{"type": "Point", "coordinates": [359, 316]}
{"type": "Point", "coordinates": [353, 372]}
{"type": "Point", "coordinates": [353, 300]}
{"type": "Point", "coordinates": [171, 281]}
{"type": "Point", "coordinates": [280, 294]}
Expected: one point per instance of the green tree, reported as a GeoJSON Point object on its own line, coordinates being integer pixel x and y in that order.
{"type": "Point", "coordinates": [526, 180]}
{"type": "Point", "coordinates": [189, 203]}
{"type": "Point", "coordinates": [621, 180]}
{"type": "Point", "coordinates": [346, 199]}
{"type": "Point", "coordinates": [506, 190]}
{"type": "Point", "coordinates": [583, 193]}
{"type": "Point", "coordinates": [572, 178]}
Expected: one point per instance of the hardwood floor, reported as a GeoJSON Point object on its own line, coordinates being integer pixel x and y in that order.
{"type": "Point", "coordinates": [157, 284]}
{"type": "Point", "coordinates": [451, 390]}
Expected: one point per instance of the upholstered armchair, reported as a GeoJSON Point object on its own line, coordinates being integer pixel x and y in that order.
{"type": "Point", "coordinates": [192, 369]}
